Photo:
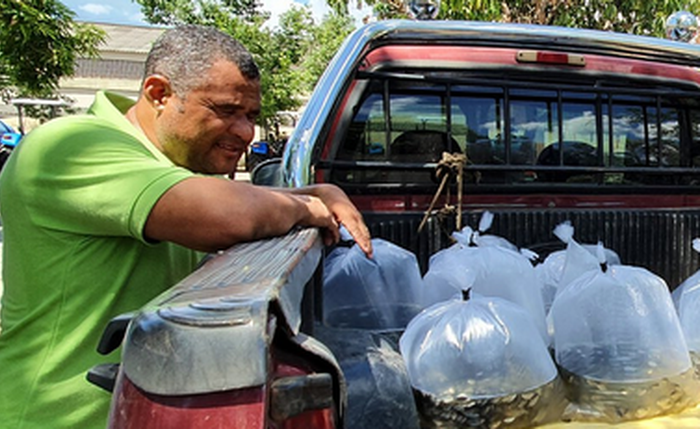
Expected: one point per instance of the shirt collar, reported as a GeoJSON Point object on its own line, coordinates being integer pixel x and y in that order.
{"type": "Point", "coordinates": [113, 107]}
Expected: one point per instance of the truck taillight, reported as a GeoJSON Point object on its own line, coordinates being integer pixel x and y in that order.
{"type": "Point", "coordinates": [558, 58]}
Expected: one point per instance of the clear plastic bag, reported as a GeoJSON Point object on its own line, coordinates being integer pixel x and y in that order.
{"type": "Point", "coordinates": [448, 274]}
{"type": "Point", "coordinates": [620, 348]}
{"type": "Point", "coordinates": [563, 266]}
{"type": "Point", "coordinates": [480, 363]}
{"type": "Point", "coordinates": [382, 293]}
{"type": "Point", "coordinates": [687, 300]}
{"type": "Point", "coordinates": [579, 258]}
{"type": "Point", "coordinates": [509, 275]}
{"type": "Point", "coordinates": [488, 271]}
{"type": "Point", "coordinates": [487, 267]}
{"type": "Point", "coordinates": [469, 237]}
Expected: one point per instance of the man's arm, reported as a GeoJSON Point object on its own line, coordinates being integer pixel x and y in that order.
{"type": "Point", "coordinates": [211, 214]}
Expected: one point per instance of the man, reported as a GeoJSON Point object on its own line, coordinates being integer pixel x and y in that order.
{"type": "Point", "coordinates": [103, 212]}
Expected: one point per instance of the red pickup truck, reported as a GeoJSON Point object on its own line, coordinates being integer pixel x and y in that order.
{"type": "Point", "coordinates": [546, 124]}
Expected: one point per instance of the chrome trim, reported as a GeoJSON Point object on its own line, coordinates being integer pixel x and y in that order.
{"type": "Point", "coordinates": [297, 158]}
{"type": "Point", "coordinates": [296, 161]}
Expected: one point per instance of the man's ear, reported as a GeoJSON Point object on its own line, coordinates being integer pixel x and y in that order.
{"type": "Point", "coordinates": [157, 90]}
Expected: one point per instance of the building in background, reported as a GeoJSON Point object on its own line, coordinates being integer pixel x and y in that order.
{"type": "Point", "coordinates": [119, 67]}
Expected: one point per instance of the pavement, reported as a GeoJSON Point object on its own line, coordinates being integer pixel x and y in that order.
{"type": "Point", "coordinates": [242, 176]}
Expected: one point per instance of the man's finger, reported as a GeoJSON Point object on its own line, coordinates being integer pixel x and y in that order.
{"type": "Point", "coordinates": [362, 237]}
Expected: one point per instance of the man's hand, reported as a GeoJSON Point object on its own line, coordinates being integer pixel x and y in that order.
{"type": "Point", "coordinates": [344, 212]}
{"type": "Point", "coordinates": [320, 216]}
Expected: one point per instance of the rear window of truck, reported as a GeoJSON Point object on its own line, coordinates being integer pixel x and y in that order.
{"type": "Point", "coordinates": [515, 130]}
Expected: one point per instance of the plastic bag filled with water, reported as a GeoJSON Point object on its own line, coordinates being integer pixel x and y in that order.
{"type": "Point", "coordinates": [489, 271]}
{"type": "Point", "coordinates": [480, 363]}
{"type": "Point", "coordinates": [687, 300]}
{"type": "Point", "coordinates": [562, 266]}
{"type": "Point", "coordinates": [491, 267]}
{"type": "Point", "coordinates": [620, 348]}
{"type": "Point", "coordinates": [445, 278]}
{"type": "Point", "coordinates": [469, 237]}
{"type": "Point", "coordinates": [382, 293]}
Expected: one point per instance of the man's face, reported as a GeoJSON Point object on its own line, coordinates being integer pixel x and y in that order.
{"type": "Point", "coordinates": [209, 129]}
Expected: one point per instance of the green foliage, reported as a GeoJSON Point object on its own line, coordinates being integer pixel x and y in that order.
{"type": "Point", "coordinates": [204, 12]}
{"type": "Point", "coordinates": [291, 57]}
{"type": "Point", "coordinates": [327, 38]}
{"type": "Point", "coordinates": [645, 17]}
{"type": "Point", "coordinates": [39, 44]}
{"type": "Point", "coordinates": [388, 9]}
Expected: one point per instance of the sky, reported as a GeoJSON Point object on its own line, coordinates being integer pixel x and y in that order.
{"type": "Point", "coordinates": [128, 12]}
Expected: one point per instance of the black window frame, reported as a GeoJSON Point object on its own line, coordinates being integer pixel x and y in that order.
{"type": "Point", "coordinates": [603, 93]}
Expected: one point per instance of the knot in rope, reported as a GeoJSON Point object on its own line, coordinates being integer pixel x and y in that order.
{"type": "Point", "coordinates": [450, 166]}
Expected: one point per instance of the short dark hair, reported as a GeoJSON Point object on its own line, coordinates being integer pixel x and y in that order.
{"type": "Point", "coordinates": [185, 53]}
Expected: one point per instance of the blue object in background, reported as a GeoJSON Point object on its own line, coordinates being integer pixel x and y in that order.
{"type": "Point", "coordinates": [260, 147]}
{"type": "Point", "coordinates": [375, 148]}
{"type": "Point", "coordinates": [9, 137]}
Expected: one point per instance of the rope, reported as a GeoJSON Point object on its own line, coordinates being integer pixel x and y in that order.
{"type": "Point", "coordinates": [450, 165]}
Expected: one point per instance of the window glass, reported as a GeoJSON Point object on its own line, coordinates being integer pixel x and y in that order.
{"type": "Point", "coordinates": [477, 90]}
{"type": "Point", "coordinates": [670, 149]}
{"type": "Point", "coordinates": [580, 134]}
{"type": "Point", "coordinates": [695, 137]}
{"type": "Point", "coordinates": [366, 136]}
{"type": "Point", "coordinates": [576, 95]}
{"type": "Point", "coordinates": [532, 93]}
{"type": "Point", "coordinates": [410, 112]}
{"type": "Point", "coordinates": [580, 148]}
{"type": "Point", "coordinates": [418, 128]}
{"type": "Point", "coordinates": [484, 128]}
{"type": "Point", "coordinates": [533, 126]}
{"type": "Point", "coordinates": [421, 120]}
{"type": "Point", "coordinates": [664, 149]}
{"type": "Point", "coordinates": [628, 136]}
{"type": "Point", "coordinates": [459, 127]}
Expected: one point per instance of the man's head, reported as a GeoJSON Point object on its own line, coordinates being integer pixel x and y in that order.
{"type": "Point", "coordinates": [200, 98]}
{"type": "Point", "coordinates": [184, 55]}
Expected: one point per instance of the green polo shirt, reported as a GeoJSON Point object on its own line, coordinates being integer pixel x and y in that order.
{"type": "Point", "coordinates": [74, 199]}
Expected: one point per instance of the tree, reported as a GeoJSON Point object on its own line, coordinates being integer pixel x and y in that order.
{"type": "Point", "coordinates": [39, 44]}
{"type": "Point", "coordinates": [291, 57]}
{"type": "Point", "coordinates": [630, 16]}
{"type": "Point", "coordinates": [203, 12]}
{"type": "Point", "coordinates": [327, 38]}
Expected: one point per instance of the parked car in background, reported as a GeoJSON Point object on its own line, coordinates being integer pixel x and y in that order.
{"type": "Point", "coordinates": [263, 150]}
{"type": "Point", "coordinates": [9, 138]}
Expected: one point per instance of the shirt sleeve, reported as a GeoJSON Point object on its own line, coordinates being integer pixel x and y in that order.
{"type": "Point", "coordinates": [81, 175]}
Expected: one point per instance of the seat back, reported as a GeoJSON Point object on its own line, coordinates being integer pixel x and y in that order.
{"type": "Point", "coordinates": [422, 146]}
{"type": "Point", "coordinates": [419, 146]}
